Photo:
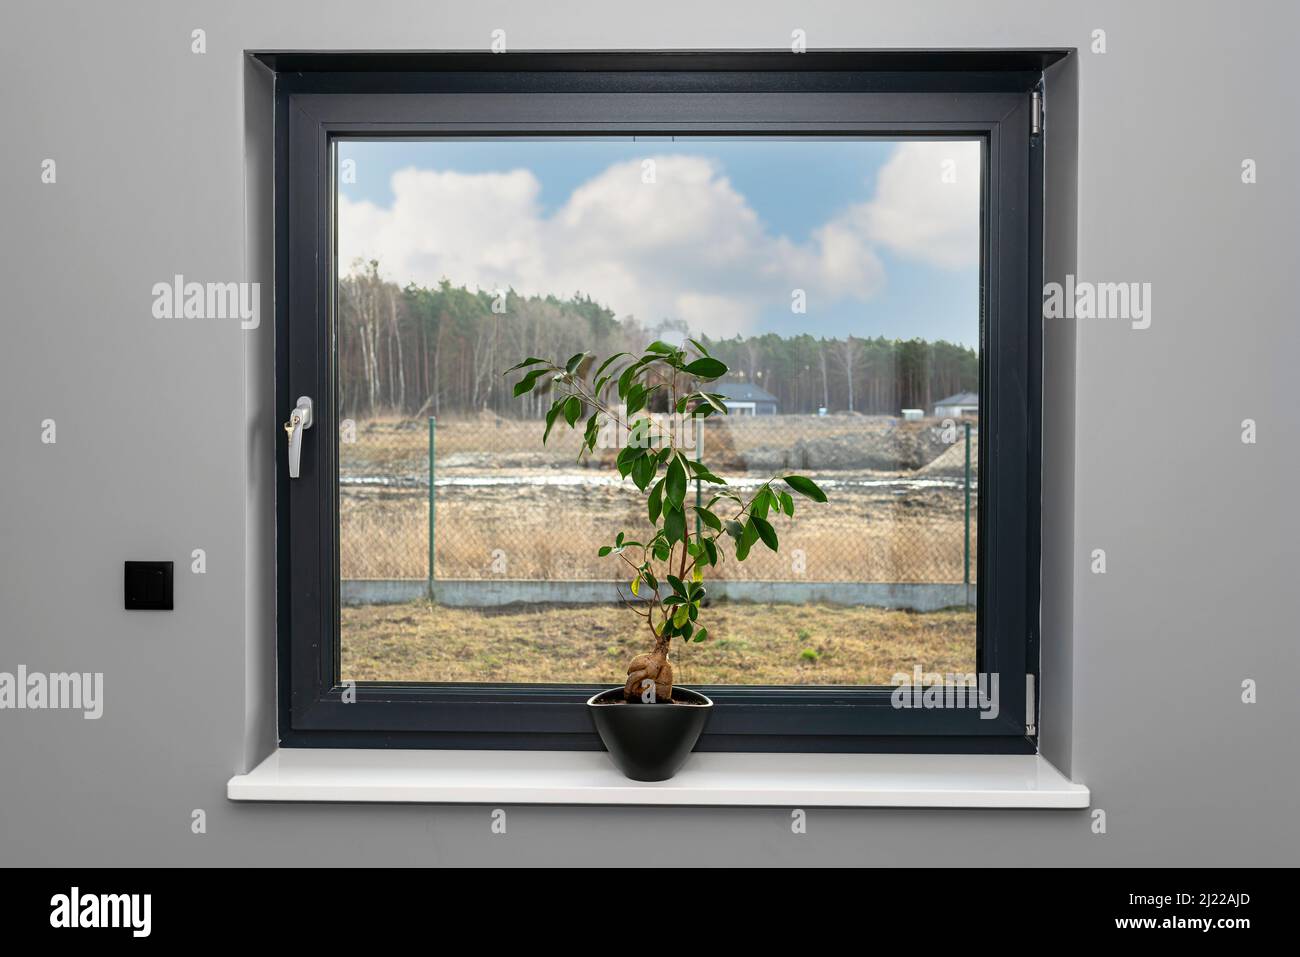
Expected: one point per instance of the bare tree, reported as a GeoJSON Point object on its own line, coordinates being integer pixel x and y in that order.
{"type": "Point", "coordinates": [826, 381]}
{"type": "Point", "coordinates": [848, 353]}
{"type": "Point", "coordinates": [363, 292]}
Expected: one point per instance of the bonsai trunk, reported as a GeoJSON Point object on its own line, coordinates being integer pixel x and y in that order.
{"type": "Point", "coordinates": [654, 667]}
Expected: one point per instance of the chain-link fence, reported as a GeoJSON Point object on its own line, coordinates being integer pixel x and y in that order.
{"type": "Point", "coordinates": [902, 499]}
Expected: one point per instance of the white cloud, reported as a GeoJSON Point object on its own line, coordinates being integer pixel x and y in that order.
{"type": "Point", "coordinates": [926, 205]}
{"type": "Point", "coordinates": [484, 227]}
{"type": "Point", "coordinates": [688, 246]}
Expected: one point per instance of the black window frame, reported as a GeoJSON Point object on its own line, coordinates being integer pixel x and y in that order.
{"type": "Point", "coordinates": [989, 95]}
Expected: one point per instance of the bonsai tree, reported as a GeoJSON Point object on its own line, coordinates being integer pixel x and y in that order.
{"type": "Point", "coordinates": [668, 568]}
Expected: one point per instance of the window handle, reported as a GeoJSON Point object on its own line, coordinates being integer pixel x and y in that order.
{"type": "Point", "coordinates": [299, 419]}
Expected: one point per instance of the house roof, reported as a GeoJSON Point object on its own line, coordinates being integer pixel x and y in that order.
{"type": "Point", "coordinates": [741, 392]}
{"type": "Point", "coordinates": [961, 398]}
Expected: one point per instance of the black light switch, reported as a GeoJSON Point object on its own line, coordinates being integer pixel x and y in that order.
{"type": "Point", "coordinates": [148, 586]}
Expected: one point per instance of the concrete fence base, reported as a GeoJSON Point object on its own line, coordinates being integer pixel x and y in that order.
{"type": "Point", "coordinates": [493, 592]}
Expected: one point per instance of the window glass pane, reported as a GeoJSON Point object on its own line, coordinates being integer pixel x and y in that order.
{"type": "Point", "coordinates": [837, 278]}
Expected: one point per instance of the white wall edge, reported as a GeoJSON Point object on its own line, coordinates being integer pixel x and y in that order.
{"type": "Point", "coordinates": [707, 779]}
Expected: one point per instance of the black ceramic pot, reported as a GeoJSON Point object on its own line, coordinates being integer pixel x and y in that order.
{"type": "Point", "coordinates": [649, 742]}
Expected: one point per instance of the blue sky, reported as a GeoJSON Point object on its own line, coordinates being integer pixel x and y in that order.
{"type": "Point", "coordinates": [733, 225]}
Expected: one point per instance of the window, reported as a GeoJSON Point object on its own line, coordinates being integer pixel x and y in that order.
{"type": "Point", "coordinates": [858, 244]}
{"type": "Point", "coordinates": [453, 260]}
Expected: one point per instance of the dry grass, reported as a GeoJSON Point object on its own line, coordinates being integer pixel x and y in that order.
{"type": "Point", "coordinates": [748, 644]}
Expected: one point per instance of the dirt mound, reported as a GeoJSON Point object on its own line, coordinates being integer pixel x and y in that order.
{"type": "Point", "coordinates": [883, 446]}
{"type": "Point", "coordinates": [952, 462]}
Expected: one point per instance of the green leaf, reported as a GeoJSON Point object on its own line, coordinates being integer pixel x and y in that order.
{"type": "Point", "coordinates": [702, 472]}
{"type": "Point", "coordinates": [572, 365]}
{"type": "Point", "coordinates": [530, 361]}
{"type": "Point", "coordinates": [805, 486]}
{"type": "Point", "coordinates": [636, 396]}
{"type": "Point", "coordinates": [712, 549]}
{"type": "Point", "coordinates": [735, 530]}
{"type": "Point", "coordinates": [709, 518]}
{"type": "Point", "coordinates": [713, 400]}
{"type": "Point", "coordinates": [528, 381]}
{"type": "Point", "coordinates": [747, 540]}
{"type": "Point", "coordinates": [674, 526]}
{"type": "Point", "coordinates": [660, 348]}
{"type": "Point", "coordinates": [572, 409]}
{"type": "Point", "coordinates": [625, 459]}
{"type": "Point", "coordinates": [551, 415]}
{"type": "Point", "coordinates": [675, 489]}
{"type": "Point", "coordinates": [656, 502]}
{"type": "Point", "coordinates": [696, 344]}
{"type": "Point", "coordinates": [643, 472]}
{"type": "Point", "coordinates": [787, 504]}
{"type": "Point", "coordinates": [707, 367]}
{"type": "Point", "coordinates": [701, 635]}
{"type": "Point", "coordinates": [625, 378]}
{"type": "Point", "coordinates": [607, 363]}
{"type": "Point", "coordinates": [765, 531]}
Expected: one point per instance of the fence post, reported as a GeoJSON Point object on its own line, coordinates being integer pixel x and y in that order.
{"type": "Point", "coordinates": [432, 446]}
{"type": "Point", "coordinates": [966, 549]}
{"type": "Point", "coordinates": [699, 452]}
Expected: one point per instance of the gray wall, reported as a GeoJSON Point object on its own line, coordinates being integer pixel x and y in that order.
{"type": "Point", "coordinates": [160, 423]}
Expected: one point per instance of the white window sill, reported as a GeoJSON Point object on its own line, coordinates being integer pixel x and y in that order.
{"type": "Point", "coordinates": [588, 777]}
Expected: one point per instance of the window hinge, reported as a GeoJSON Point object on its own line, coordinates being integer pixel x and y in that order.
{"type": "Point", "coordinates": [1031, 728]}
{"type": "Point", "coordinates": [1035, 113]}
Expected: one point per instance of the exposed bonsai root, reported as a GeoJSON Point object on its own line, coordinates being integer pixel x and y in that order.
{"type": "Point", "coordinates": [654, 666]}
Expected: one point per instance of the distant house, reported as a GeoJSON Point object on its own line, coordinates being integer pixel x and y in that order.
{"type": "Point", "coordinates": [742, 398]}
{"type": "Point", "coordinates": [955, 406]}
